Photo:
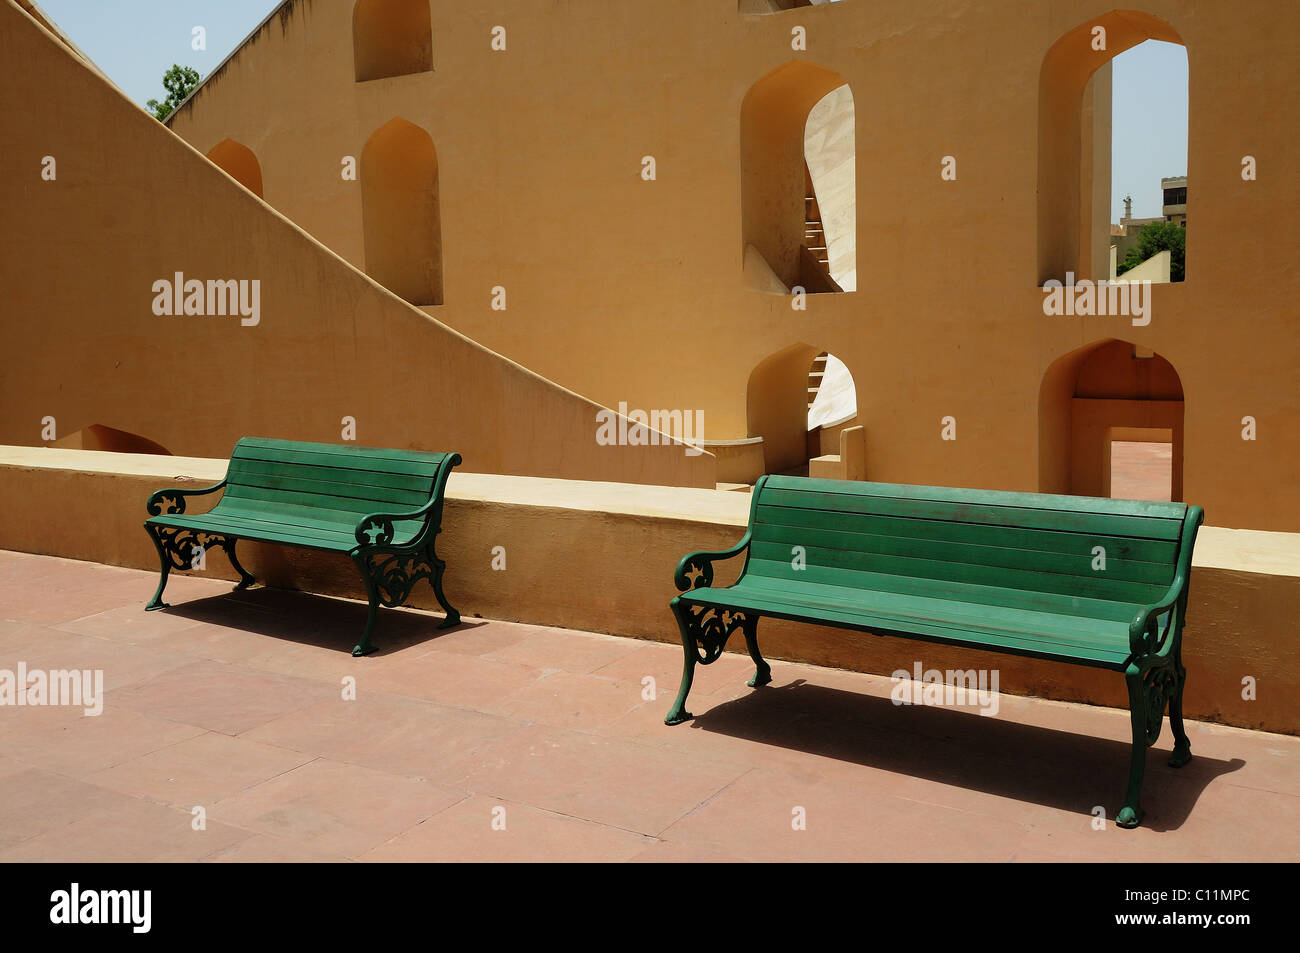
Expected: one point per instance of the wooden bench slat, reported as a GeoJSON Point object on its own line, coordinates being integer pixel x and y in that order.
{"type": "Point", "coordinates": [948, 494]}
{"type": "Point", "coordinates": [262, 531]}
{"type": "Point", "coordinates": [329, 501]}
{"type": "Point", "coordinates": [417, 466]}
{"type": "Point", "coordinates": [935, 631]}
{"type": "Point", "coordinates": [343, 451]}
{"type": "Point", "coordinates": [1145, 527]}
{"type": "Point", "coordinates": [1069, 564]}
{"type": "Point", "coordinates": [380, 497]}
{"type": "Point", "coordinates": [1090, 629]}
{"type": "Point", "coordinates": [774, 559]}
{"type": "Point", "coordinates": [295, 517]}
{"type": "Point", "coordinates": [420, 483]}
{"type": "Point", "coordinates": [1009, 537]}
{"type": "Point", "coordinates": [959, 591]}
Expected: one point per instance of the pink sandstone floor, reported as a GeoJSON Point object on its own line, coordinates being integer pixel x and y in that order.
{"type": "Point", "coordinates": [233, 703]}
{"type": "Point", "coordinates": [1140, 470]}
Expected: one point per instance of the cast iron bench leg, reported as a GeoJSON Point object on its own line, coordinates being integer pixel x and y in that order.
{"type": "Point", "coordinates": [365, 646]}
{"type": "Point", "coordinates": [156, 602]}
{"type": "Point", "coordinates": [246, 578]}
{"type": "Point", "coordinates": [762, 671]}
{"type": "Point", "coordinates": [1130, 815]}
{"type": "Point", "coordinates": [1149, 691]}
{"type": "Point", "coordinates": [678, 713]}
{"type": "Point", "coordinates": [453, 616]}
{"type": "Point", "coordinates": [1182, 745]}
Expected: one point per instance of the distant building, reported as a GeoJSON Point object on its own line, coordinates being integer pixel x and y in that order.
{"type": "Point", "coordinates": [1174, 209]}
{"type": "Point", "coordinates": [1175, 206]}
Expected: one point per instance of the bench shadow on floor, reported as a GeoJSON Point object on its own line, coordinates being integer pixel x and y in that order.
{"type": "Point", "coordinates": [311, 619]}
{"type": "Point", "coordinates": [1054, 768]}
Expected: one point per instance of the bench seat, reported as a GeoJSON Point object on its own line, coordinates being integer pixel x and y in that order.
{"type": "Point", "coordinates": [294, 530]}
{"type": "Point", "coordinates": [1094, 582]}
{"type": "Point", "coordinates": [1059, 636]}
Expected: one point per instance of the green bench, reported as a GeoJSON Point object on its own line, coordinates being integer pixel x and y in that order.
{"type": "Point", "coordinates": [383, 508]}
{"type": "Point", "coordinates": [1095, 582]}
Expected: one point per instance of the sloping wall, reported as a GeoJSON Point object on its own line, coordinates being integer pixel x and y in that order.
{"type": "Point", "coordinates": [130, 204]}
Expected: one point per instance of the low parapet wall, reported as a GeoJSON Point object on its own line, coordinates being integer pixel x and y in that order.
{"type": "Point", "coordinates": [599, 557]}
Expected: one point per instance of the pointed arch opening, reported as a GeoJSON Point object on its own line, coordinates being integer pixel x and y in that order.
{"type": "Point", "coordinates": [798, 186]}
{"type": "Point", "coordinates": [799, 401]}
{"type": "Point", "coordinates": [401, 214]}
{"type": "Point", "coordinates": [238, 162]}
{"type": "Point", "coordinates": [1110, 419]}
{"type": "Point", "coordinates": [391, 38]}
{"type": "Point", "coordinates": [1075, 141]}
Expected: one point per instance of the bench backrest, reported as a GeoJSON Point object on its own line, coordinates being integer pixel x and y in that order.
{"type": "Point", "coordinates": [924, 539]}
{"type": "Point", "coordinates": [331, 485]}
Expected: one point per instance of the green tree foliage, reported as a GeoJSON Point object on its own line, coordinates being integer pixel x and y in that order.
{"type": "Point", "coordinates": [1155, 238]}
{"type": "Point", "coordinates": [178, 81]}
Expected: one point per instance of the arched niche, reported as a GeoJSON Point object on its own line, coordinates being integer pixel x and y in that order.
{"type": "Point", "coordinates": [401, 212]}
{"type": "Point", "coordinates": [391, 38]}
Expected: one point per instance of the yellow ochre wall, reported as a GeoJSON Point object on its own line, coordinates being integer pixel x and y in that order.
{"type": "Point", "coordinates": [624, 289]}
{"type": "Point", "coordinates": [132, 204]}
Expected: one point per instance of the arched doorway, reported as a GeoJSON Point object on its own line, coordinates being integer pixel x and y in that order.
{"type": "Point", "coordinates": [1074, 145]}
{"type": "Point", "coordinates": [1093, 402]}
{"type": "Point", "coordinates": [798, 188]}
{"type": "Point", "coordinates": [798, 401]}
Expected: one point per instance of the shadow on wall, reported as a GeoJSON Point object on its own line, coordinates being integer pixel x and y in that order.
{"type": "Point", "coordinates": [99, 437]}
{"type": "Point", "coordinates": [775, 6]}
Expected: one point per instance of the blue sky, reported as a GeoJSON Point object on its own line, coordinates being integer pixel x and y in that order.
{"type": "Point", "coordinates": [136, 41]}
{"type": "Point", "coordinates": [1148, 125]}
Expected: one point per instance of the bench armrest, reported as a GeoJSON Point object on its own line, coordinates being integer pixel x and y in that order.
{"type": "Point", "coordinates": [1144, 635]}
{"type": "Point", "coordinates": [175, 497]}
{"type": "Point", "coordinates": [376, 529]}
{"type": "Point", "coordinates": [702, 562]}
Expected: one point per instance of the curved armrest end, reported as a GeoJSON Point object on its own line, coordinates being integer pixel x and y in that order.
{"type": "Point", "coordinates": [174, 497]}
{"type": "Point", "coordinates": [702, 563]}
{"type": "Point", "coordinates": [1144, 637]}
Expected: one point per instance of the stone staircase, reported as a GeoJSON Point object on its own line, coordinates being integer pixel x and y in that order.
{"type": "Point", "coordinates": [815, 375]}
{"type": "Point", "coordinates": [814, 233]}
